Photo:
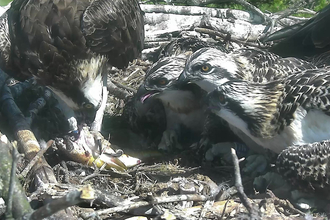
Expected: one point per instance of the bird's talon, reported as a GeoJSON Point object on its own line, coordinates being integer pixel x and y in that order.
{"type": "Point", "coordinates": [117, 153]}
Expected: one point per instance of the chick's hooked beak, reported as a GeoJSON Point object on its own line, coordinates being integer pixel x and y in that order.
{"type": "Point", "coordinates": [212, 100]}
{"type": "Point", "coordinates": [182, 80]}
{"type": "Point", "coordinates": [143, 94]}
{"type": "Point", "coordinates": [185, 78]}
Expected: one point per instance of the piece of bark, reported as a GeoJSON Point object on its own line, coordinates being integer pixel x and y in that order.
{"type": "Point", "coordinates": [74, 197]}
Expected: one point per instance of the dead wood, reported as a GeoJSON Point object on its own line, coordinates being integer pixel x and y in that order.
{"type": "Point", "coordinates": [117, 91]}
{"type": "Point", "coordinates": [253, 211]}
{"type": "Point", "coordinates": [72, 198]}
{"type": "Point", "coordinates": [200, 11]}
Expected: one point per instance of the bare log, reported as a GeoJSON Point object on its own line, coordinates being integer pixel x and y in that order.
{"type": "Point", "coordinates": [240, 30]}
{"type": "Point", "coordinates": [163, 22]}
{"type": "Point", "coordinates": [199, 11]}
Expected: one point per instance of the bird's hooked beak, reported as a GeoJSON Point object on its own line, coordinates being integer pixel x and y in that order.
{"type": "Point", "coordinates": [186, 78]}
{"type": "Point", "coordinates": [182, 80]}
{"type": "Point", "coordinates": [143, 94]}
{"type": "Point", "coordinates": [213, 102]}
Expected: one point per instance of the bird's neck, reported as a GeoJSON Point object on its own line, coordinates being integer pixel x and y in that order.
{"type": "Point", "coordinates": [257, 109]}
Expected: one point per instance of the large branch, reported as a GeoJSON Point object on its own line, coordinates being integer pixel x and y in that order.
{"type": "Point", "coordinates": [165, 26]}
{"type": "Point", "coordinates": [195, 10]}
{"type": "Point", "coordinates": [165, 22]}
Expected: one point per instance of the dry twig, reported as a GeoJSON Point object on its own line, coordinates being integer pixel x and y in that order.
{"type": "Point", "coordinates": [155, 200]}
{"type": "Point", "coordinates": [123, 86]}
{"type": "Point", "coordinates": [253, 211]}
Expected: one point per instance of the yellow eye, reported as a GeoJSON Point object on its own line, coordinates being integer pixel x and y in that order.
{"type": "Point", "coordinates": [88, 105]}
{"type": "Point", "coordinates": [222, 99]}
{"type": "Point", "coordinates": [205, 68]}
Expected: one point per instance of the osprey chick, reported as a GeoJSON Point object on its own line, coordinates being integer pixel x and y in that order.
{"type": "Point", "coordinates": [209, 67]}
{"type": "Point", "coordinates": [278, 114]}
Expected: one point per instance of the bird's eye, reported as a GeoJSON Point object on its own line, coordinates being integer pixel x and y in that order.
{"type": "Point", "coordinates": [88, 105]}
{"type": "Point", "coordinates": [162, 82]}
{"type": "Point", "coordinates": [205, 68]}
{"type": "Point", "coordinates": [222, 99]}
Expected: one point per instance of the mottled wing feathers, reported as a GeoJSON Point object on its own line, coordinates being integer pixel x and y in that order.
{"type": "Point", "coordinates": [258, 57]}
{"type": "Point", "coordinates": [307, 166]}
{"type": "Point", "coordinates": [273, 106]}
{"type": "Point", "coordinates": [283, 67]}
{"type": "Point", "coordinates": [114, 28]}
{"type": "Point", "coordinates": [309, 89]}
{"type": "Point", "coordinates": [263, 66]}
{"type": "Point", "coordinates": [47, 37]}
{"type": "Point", "coordinates": [50, 36]}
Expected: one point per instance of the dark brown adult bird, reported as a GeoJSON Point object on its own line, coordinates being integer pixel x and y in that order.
{"type": "Point", "coordinates": [68, 45]}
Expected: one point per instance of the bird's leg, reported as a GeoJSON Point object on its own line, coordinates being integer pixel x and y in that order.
{"type": "Point", "coordinates": [97, 123]}
{"type": "Point", "coordinates": [37, 105]}
{"type": "Point", "coordinates": [17, 88]}
{"type": "Point", "coordinates": [223, 149]}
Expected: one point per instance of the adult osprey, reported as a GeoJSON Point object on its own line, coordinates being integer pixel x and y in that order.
{"type": "Point", "coordinates": [68, 45]}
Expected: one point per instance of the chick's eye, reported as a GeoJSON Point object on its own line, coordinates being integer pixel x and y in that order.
{"type": "Point", "coordinates": [88, 105]}
{"type": "Point", "coordinates": [162, 82]}
{"type": "Point", "coordinates": [222, 99]}
{"type": "Point", "coordinates": [205, 68]}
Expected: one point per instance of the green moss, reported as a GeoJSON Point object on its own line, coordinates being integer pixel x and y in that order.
{"type": "Point", "coordinates": [4, 2]}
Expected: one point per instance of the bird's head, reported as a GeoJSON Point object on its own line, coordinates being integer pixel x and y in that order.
{"type": "Point", "coordinates": [159, 82]}
{"type": "Point", "coordinates": [209, 67]}
{"type": "Point", "coordinates": [252, 108]}
{"type": "Point", "coordinates": [82, 91]}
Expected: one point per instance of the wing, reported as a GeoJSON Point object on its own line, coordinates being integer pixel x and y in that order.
{"type": "Point", "coordinates": [46, 37]}
{"type": "Point", "coordinates": [311, 39]}
{"type": "Point", "coordinates": [311, 163]}
{"type": "Point", "coordinates": [309, 89]}
{"type": "Point", "coordinates": [283, 67]}
{"type": "Point", "coordinates": [264, 66]}
{"type": "Point", "coordinates": [114, 28]}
